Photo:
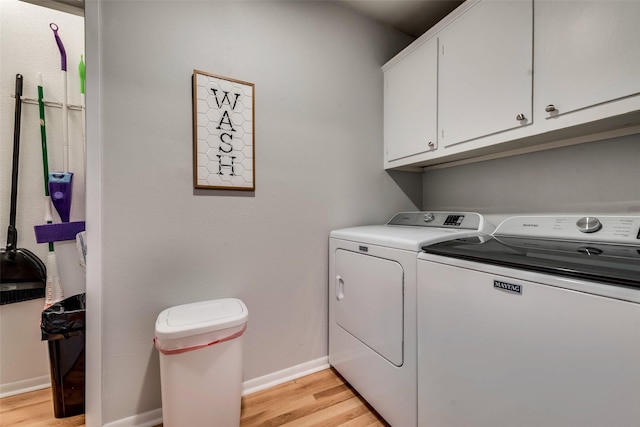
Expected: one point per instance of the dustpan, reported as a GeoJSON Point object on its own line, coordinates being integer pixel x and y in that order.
{"type": "Point", "coordinates": [22, 274]}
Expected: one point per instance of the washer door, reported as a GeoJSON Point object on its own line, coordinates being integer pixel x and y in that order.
{"type": "Point", "coordinates": [369, 298]}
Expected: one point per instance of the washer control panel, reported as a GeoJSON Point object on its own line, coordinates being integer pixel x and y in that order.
{"type": "Point", "coordinates": [462, 220]}
{"type": "Point", "coordinates": [605, 229]}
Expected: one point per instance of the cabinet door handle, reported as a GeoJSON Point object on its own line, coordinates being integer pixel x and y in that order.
{"type": "Point", "coordinates": [550, 108]}
{"type": "Point", "coordinates": [521, 117]}
{"type": "Point", "coordinates": [431, 144]}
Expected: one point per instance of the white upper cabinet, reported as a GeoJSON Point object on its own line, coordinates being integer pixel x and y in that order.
{"type": "Point", "coordinates": [485, 71]}
{"type": "Point", "coordinates": [588, 54]}
{"type": "Point", "coordinates": [472, 79]}
{"type": "Point", "coordinates": [410, 104]}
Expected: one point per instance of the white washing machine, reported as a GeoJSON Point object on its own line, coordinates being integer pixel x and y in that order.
{"type": "Point", "coordinates": [537, 325]}
{"type": "Point", "coordinates": [372, 305]}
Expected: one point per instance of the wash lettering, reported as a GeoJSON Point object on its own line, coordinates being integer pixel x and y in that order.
{"type": "Point", "coordinates": [228, 104]}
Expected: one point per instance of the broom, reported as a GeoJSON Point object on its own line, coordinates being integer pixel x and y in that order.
{"type": "Point", "coordinates": [54, 288]}
{"type": "Point", "coordinates": [82, 73]}
{"type": "Point", "coordinates": [22, 274]}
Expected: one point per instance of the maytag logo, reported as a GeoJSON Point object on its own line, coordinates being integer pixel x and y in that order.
{"type": "Point", "coordinates": [363, 248]}
{"type": "Point", "coordinates": [509, 287]}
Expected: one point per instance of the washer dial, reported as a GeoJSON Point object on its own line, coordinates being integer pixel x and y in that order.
{"type": "Point", "coordinates": [589, 224]}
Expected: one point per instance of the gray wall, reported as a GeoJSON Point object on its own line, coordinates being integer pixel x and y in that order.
{"type": "Point", "coordinates": [318, 115]}
{"type": "Point", "coordinates": [600, 176]}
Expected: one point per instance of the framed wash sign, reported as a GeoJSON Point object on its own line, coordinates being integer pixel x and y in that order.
{"type": "Point", "coordinates": [223, 133]}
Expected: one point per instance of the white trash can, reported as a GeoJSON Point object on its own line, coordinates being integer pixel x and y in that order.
{"type": "Point", "coordinates": [200, 347]}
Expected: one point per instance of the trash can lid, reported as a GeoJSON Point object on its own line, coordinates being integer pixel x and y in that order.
{"type": "Point", "coordinates": [200, 318]}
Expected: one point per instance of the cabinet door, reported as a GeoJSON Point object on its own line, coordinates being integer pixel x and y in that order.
{"type": "Point", "coordinates": [589, 53]}
{"type": "Point", "coordinates": [411, 102]}
{"type": "Point", "coordinates": [485, 71]}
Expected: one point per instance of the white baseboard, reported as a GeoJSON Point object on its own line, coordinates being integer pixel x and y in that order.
{"type": "Point", "coordinates": [275, 378]}
{"type": "Point", "coordinates": [147, 419]}
{"type": "Point", "coordinates": [153, 418]}
{"type": "Point", "coordinates": [25, 386]}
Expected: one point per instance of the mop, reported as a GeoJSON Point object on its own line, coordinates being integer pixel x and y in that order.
{"type": "Point", "coordinates": [54, 291]}
{"type": "Point", "coordinates": [60, 189]}
{"type": "Point", "coordinates": [60, 185]}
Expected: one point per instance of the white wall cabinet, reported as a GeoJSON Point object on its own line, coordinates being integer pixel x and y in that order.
{"type": "Point", "coordinates": [588, 54]}
{"type": "Point", "coordinates": [410, 104]}
{"type": "Point", "coordinates": [586, 83]}
{"type": "Point", "coordinates": [485, 71]}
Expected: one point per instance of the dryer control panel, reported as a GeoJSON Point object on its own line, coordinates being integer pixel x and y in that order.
{"type": "Point", "coordinates": [462, 220]}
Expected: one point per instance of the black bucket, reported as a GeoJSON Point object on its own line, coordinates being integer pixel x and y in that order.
{"type": "Point", "coordinates": [63, 325]}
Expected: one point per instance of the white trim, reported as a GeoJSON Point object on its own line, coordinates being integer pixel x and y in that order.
{"type": "Point", "coordinates": [154, 417]}
{"type": "Point", "coordinates": [147, 419]}
{"type": "Point", "coordinates": [559, 143]}
{"type": "Point", "coordinates": [24, 386]}
{"type": "Point", "coordinates": [94, 370]}
{"type": "Point", "coordinates": [275, 378]}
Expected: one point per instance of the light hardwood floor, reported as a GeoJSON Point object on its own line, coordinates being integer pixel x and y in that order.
{"type": "Point", "coordinates": [322, 399]}
{"type": "Point", "coordinates": [33, 409]}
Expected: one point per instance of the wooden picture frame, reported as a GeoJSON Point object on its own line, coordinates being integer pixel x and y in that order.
{"type": "Point", "coordinates": [223, 133]}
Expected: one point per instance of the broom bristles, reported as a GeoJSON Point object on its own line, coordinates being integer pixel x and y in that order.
{"type": "Point", "coordinates": [19, 295]}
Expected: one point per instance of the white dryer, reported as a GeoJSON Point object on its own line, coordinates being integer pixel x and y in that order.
{"type": "Point", "coordinates": [372, 305]}
{"type": "Point", "coordinates": [537, 325]}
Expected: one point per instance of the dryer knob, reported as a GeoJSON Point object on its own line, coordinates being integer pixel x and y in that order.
{"type": "Point", "coordinates": [428, 217]}
{"type": "Point", "coordinates": [589, 224]}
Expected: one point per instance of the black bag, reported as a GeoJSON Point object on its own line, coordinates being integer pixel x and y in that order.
{"type": "Point", "coordinates": [65, 318]}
